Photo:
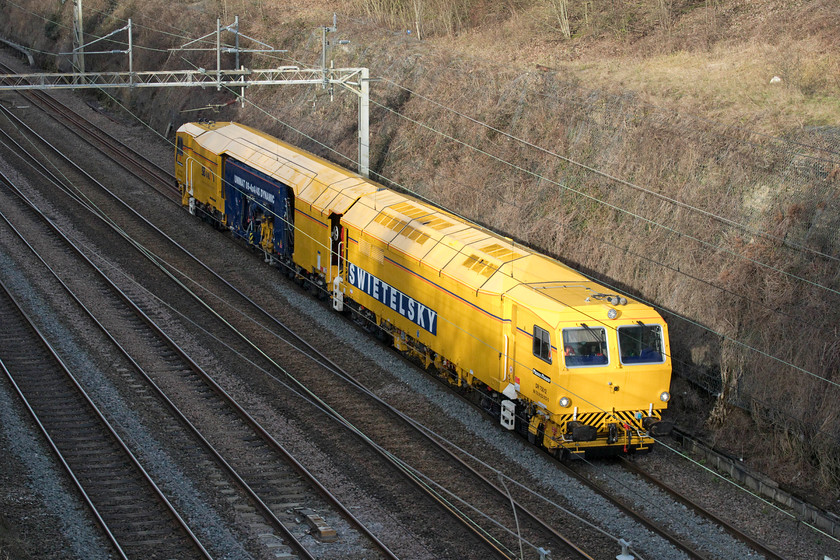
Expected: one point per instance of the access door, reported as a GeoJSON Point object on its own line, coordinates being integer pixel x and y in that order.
{"type": "Point", "coordinates": [338, 236]}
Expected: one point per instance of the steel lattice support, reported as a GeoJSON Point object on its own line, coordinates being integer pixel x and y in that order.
{"type": "Point", "coordinates": [354, 79]}
{"type": "Point", "coordinates": [78, 38]}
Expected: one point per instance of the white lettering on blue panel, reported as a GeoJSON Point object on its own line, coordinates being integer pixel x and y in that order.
{"type": "Point", "coordinates": [253, 189]}
{"type": "Point", "coordinates": [388, 295]}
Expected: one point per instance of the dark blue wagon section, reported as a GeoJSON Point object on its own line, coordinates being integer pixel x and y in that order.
{"type": "Point", "coordinates": [252, 196]}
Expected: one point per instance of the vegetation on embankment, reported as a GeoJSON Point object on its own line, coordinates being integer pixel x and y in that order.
{"type": "Point", "coordinates": [644, 141]}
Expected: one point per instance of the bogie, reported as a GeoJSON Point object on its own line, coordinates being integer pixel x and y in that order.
{"type": "Point", "coordinates": [542, 349]}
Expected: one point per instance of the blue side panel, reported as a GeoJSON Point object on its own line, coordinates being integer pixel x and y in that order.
{"type": "Point", "coordinates": [249, 194]}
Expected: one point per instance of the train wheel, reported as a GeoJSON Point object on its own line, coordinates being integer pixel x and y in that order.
{"type": "Point", "coordinates": [321, 290]}
{"type": "Point", "coordinates": [562, 455]}
{"type": "Point", "coordinates": [541, 435]}
{"type": "Point", "coordinates": [384, 336]}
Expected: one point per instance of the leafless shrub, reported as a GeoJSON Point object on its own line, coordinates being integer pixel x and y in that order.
{"type": "Point", "coordinates": [664, 8]}
{"type": "Point", "coordinates": [767, 291]}
{"type": "Point", "coordinates": [427, 17]}
{"type": "Point", "coordinates": [561, 12]}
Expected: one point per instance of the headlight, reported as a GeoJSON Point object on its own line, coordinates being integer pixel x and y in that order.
{"type": "Point", "coordinates": [565, 402]}
{"type": "Point", "coordinates": [665, 396]}
{"type": "Point", "coordinates": [612, 313]}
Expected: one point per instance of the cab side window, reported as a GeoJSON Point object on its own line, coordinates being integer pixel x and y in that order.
{"type": "Point", "coordinates": [180, 146]}
{"type": "Point", "coordinates": [585, 346]}
{"type": "Point", "coordinates": [542, 344]}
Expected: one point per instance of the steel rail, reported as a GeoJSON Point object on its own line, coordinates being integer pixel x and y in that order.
{"type": "Point", "coordinates": [87, 499]}
{"type": "Point", "coordinates": [628, 510]}
{"type": "Point", "coordinates": [688, 502]}
{"type": "Point", "coordinates": [128, 157]}
{"type": "Point", "coordinates": [495, 488]}
{"type": "Point", "coordinates": [272, 518]}
{"type": "Point", "coordinates": [103, 422]}
{"type": "Point", "coordinates": [245, 415]}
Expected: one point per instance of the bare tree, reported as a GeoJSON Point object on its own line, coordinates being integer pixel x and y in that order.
{"type": "Point", "coordinates": [418, 10]}
{"type": "Point", "coordinates": [561, 11]}
{"type": "Point", "coordinates": [665, 13]}
{"type": "Point", "coordinates": [711, 15]}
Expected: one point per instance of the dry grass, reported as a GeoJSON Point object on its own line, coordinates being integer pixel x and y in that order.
{"type": "Point", "coordinates": [620, 95]}
{"type": "Point", "coordinates": [723, 73]}
{"type": "Point", "coordinates": [734, 85]}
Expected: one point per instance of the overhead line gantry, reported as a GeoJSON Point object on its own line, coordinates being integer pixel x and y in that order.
{"type": "Point", "coordinates": [356, 80]}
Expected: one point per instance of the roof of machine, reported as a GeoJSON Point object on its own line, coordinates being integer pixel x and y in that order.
{"type": "Point", "coordinates": [316, 181]}
{"type": "Point", "coordinates": [467, 253]}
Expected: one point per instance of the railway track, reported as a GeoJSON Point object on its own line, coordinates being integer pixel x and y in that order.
{"type": "Point", "coordinates": [502, 503]}
{"type": "Point", "coordinates": [389, 440]}
{"type": "Point", "coordinates": [144, 169]}
{"type": "Point", "coordinates": [704, 512]}
{"type": "Point", "coordinates": [128, 505]}
{"type": "Point", "coordinates": [594, 475]}
{"type": "Point", "coordinates": [268, 485]}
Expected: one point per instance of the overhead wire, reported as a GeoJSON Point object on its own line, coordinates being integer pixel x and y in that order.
{"type": "Point", "coordinates": [540, 176]}
{"type": "Point", "coordinates": [695, 323]}
{"type": "Point", "coordinates": [608, 204]}
{"type": "Point", "coordinates": [611, 178]}
{"type": "Point", "coordinates": [334, 150]}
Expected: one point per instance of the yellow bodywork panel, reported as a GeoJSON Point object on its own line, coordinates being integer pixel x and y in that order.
{"type": "Point", "coordinates": [488, 295]}
{"type": "Point", "coordinates": [459, 295]}
{"type": "Point", "coordinates": [320, 188]}
{"type": "Point", "coordinates": [198, 169]}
